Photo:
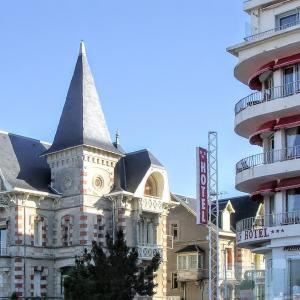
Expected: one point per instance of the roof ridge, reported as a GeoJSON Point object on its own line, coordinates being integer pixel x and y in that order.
{"type": "Point", "coordinates": [24, 137]}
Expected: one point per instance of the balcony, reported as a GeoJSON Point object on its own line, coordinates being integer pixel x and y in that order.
{"type": "Point", "coordinates": [146, 252]}
{"type": "Point", "coordinates": [151, 204]}
{"type": "Point", "coordinates": [267, 166]}
{"type": "Point", "coordinates": [191, 275]}
{"type": "Point", "coordinates": [261, 229]}
{"type": "Point", "coordinates": [258, 276]}
{"type": "Point", "coordinates": [271, 32]}
{"type": "Point", "coordinates": [258, 108]}
{"type": "Point", "coordinates": [263, 48]}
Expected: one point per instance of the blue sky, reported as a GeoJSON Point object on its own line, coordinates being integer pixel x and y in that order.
{"type": "Point", "coordinates": [161, 69]}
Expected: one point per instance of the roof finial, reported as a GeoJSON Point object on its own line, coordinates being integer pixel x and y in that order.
{"type": "Point", "coordinates": [117, 137]}
{"type": "Point", "coordinates": [82, 48]}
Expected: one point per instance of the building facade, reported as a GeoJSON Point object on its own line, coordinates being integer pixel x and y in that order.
{"type": "Point", "coordinates": [268, 62]}
{"type": "Point", "coordinates": [56, 199]}
{"type": "Point", "coordinates": [188, 256]}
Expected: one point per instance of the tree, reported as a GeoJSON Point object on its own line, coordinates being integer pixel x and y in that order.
{"type": "Point", "coordinates": [111, 273]}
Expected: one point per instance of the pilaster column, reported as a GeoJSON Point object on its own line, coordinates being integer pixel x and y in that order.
{"type": "Point", "coordinates": [145, 230]}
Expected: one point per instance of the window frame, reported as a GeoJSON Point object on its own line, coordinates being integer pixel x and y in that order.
{"type": "Point", "coordinates": [185, 264]}
{"type": "Point", "coordinates": [177, 230]}
{"type": "Point", "coordinates": [174, 281]}
{"type": "Point", "coordinates": [285, 15]}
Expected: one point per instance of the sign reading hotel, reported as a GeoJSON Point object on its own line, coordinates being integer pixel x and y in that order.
{"type": "Point", "coordinates": [202, 205]}
{"type": "Point", "coordinates": [262, 233]}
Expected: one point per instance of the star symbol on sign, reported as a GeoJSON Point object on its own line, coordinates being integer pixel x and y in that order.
{"type": "Point", "coordinates": [277, 230]}
{"type": "Point", "coordinates": [272, 231]}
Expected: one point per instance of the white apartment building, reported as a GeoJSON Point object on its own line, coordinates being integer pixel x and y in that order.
{"type": "Point", "coordinates": [269, 63]}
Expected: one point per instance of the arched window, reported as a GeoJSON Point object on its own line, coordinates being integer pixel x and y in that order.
{"type": "Point", "coordinates": [154, 185]}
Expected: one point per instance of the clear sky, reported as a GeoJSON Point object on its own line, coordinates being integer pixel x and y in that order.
{"type": "Point", "coordinates": [161, 69]}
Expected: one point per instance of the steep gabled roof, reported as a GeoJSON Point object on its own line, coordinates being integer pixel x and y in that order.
{"type": "Point", "coordinates": [82, 121]}
{"type": "Point", "coordinates": [132, 168]}
{"type": "Point", "coordinates": [243, 206]}
{"type": "Point", "coordinates": [20, 163]}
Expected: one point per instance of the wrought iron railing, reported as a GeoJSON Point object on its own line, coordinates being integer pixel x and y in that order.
{"type": "Point", "coordinates": [268, 95]}
{"type": "Point", "coordinates": [267, 33]}
{"type": "Point", "coordinates": [268, 157]}
{"type": "Point", "coordinates": [286, 218]}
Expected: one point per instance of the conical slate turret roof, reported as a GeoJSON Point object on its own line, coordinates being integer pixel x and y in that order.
{"type": "Point", "coordinates": [82, 121]}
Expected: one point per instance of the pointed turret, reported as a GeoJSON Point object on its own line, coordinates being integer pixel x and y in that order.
{"type": "Point", "coordinates": [82, 121]}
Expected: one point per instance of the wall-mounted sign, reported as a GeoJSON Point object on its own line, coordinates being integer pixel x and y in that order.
{"type": "Point", "coordinates": [202, 210]}
{"type": "Point", "coordinates": [261, 233]}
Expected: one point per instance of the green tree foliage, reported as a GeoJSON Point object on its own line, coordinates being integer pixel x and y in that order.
{"type": "Point", "coordinates": [110, 274]}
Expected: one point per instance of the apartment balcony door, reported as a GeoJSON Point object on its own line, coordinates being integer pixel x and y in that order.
{"type": "Point", "coordinates": [294, 279]}
{"type": "Point", "coordinates": [289, 79]}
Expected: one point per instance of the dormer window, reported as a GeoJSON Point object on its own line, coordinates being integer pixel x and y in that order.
{"type": "Point", "coordinates": [154, 185]}
{"type": "Point", "coordinates": [148, 188]}
{"type": "Point", "coordinates": [151, 187]}
{"type": "Point", "coordinates": [226, 219]}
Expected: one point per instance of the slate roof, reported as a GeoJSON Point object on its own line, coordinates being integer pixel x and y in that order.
{"type": "Point", "coordinates": [190, 202]}
{"type": "Point", "coordinates": [244, 207]}
{"type": "Point", "coordinates": [132, 168]}
{"type": "Point", "coordinates": [20, 163]}
{"type": "Point", "coordinates": [82, 121]}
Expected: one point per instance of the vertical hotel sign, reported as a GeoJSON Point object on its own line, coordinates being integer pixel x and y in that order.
{"type": "Point", "coordinates": [202, 205]}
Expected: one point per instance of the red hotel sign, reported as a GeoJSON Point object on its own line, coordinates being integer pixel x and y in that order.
{"type": "Point", "coordinates": [202, 211]}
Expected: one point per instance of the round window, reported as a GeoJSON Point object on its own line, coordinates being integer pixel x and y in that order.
{"type": "Point", "coordinates": [98, 182]}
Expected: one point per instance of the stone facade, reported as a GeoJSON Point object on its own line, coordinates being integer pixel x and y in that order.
{"type": "Point", "coordinates": [188, 255]}
{"type": "Point", "coordinates": [80, 189]}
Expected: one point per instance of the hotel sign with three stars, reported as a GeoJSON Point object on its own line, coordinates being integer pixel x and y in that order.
{"type": "Point", "coordinates": [261, 233]}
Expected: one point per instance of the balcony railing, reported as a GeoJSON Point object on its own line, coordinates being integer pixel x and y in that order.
{"type": "Point", "coordinates": [256, 275]}
{"type": "Point", "coordinates": [268, 95]}
{"type": "Point", "coordinates": [146, 252]}
{"type": "Point", "coordinates": [151, 203]}
{"type": "Point", "coordinates": [267, 33]}
{"type": "Point", "coordinates": [191, 275]}
{"type": "Point", "coordinates": [287, 218]}
{"type": "Point", "coordinates": [268, 157]}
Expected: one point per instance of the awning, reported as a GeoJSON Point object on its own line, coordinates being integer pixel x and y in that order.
{"type": "Point", "coordinates": [255, 138]}
{"type": "Point", "coordinates": [190, 248]}
{"type": "Point", "coordinates": [292, 248]}
{"type": "Point", "coordinates": [265, 188]}
{"type": "Point", "coordinates": [287, 61]}
{"type": "Point", "coordinates": [288, 122]}
{"type": "Point", "coordinates": [289, 183]}
{"type": "Point", "coordinates": [254, 82]}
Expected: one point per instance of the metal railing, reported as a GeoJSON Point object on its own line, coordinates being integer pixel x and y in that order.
{"type": "Point", "coordinates": [268, 95]}
{"type": "Point", "coordinates": [286, 218]}
{"type": "Point", "coordinates": [255, 274]}
{"type": "Point", "coordinates": [268, 157]}
{"type": "Point", "coordinates": [267, 33]}
{"type": "Point", "coordinates": [146, 252]}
